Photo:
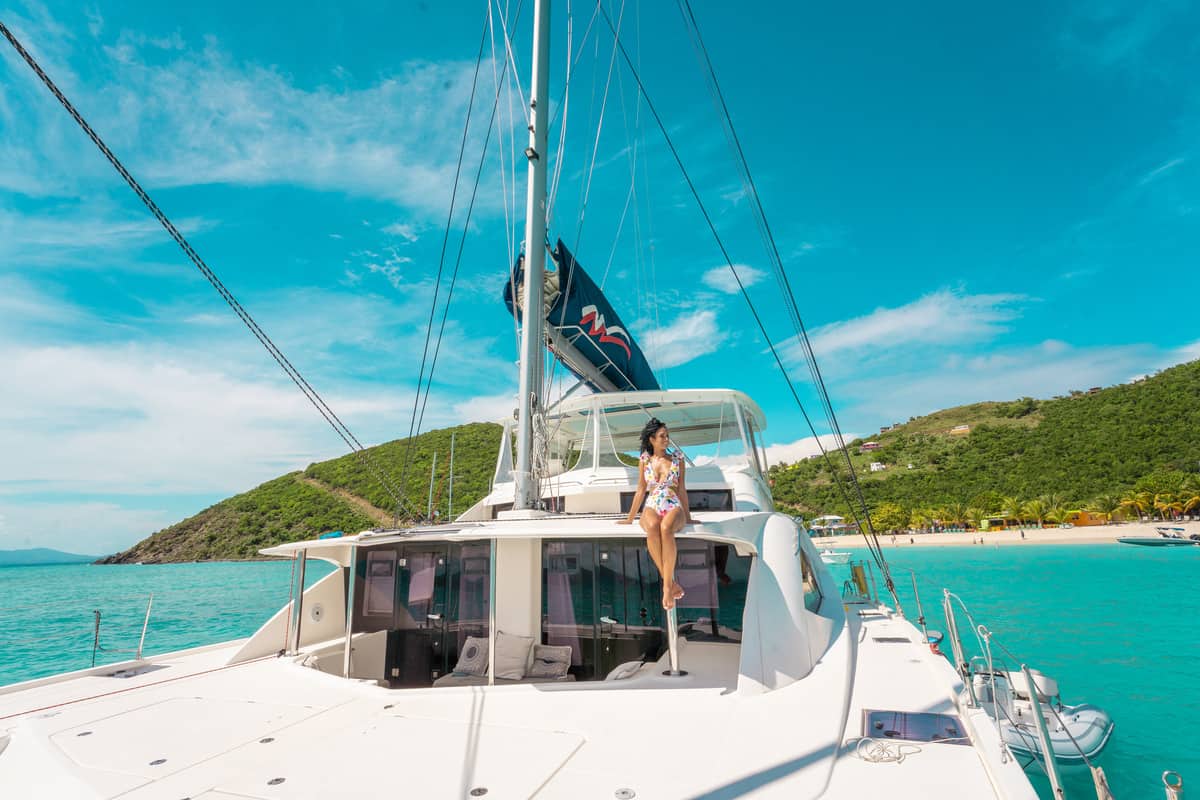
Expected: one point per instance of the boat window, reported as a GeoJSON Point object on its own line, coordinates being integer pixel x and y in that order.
{"type": "Point", "coordinates": [429, 597]}
{"type": "Point", "coordinates": [571, 442]}
{"type": "Point", "coordinates": [604, 599]}
{"type": "Point", "coordinates": [608, 455]}
{"type": "Point", "coordinates": [812, 590]}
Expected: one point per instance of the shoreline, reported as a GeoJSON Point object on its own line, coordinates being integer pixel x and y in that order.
{"type": "Point", "coordinates": [1090, 534]}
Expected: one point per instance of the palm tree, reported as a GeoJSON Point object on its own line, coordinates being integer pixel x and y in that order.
{"type": "Point", "coordinates": [1190, 500]}
{"type": "Point", "coordinates": [1141, 502]}
{"type": "Point", "coordinates": [957, 513]}
{"type": "Point", "coordinates": [1012, 508]}
{"type": "Point", "coordinates": [1056, 508]}
{"type": "Point", "coordinates": [976, 516]}
{"type": "Point", "coordinates": [1166, 503]}
{"type": "Point", "coordinates": [1109, 504]}
{"type": "Point", "coordinates": [1036, 509]}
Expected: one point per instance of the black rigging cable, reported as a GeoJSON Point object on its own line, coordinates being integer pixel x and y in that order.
{"type": "Point", "coordinates": [742, 288]}
{"type": "Point", "coordinates": [322, 407]}
{"type": "Point", "coordinates": [785, 288]}
{"type": "Point", "coordinates": [425, 382]}
{"type": "Point", "coordinates": [466, 225]}
{"type": "Point", "coordinates": [437, 285]}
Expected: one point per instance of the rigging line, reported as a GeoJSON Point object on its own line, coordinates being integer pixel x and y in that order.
{"type": "Point", "coordinates": [728, 259]}
{"type": "Point", "coordinates": [509, 211]}
{"type": "Point", "coordinates": [462, 148]}
{"type": "Point", "coordinates": [462, 244]}
{"type": "Point", "coordinates": [562, 130]}
{"type": "Point", "coordinates": [508, 40]}
{"type": "Point", "coordinates": [781, 277]}
{"type": "Point", "coordinates": [592, 167]}
{"type": "Point", "coordinates": [309, 392]}
{"type": "Point", "coordinates": [578, 55]}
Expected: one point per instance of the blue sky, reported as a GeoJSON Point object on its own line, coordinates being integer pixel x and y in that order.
{"type": "Point", "coordinates": [971, 204]}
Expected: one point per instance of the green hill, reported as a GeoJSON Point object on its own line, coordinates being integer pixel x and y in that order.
{"type": "Point", "coordinates": [339, 494]}
{"type": "Point", "coordinates": [1139, 442]}
{"type": "Point", "coordinates": [1143, 436]}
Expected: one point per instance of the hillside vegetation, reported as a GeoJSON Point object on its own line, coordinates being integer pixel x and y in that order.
{"type": "Point", "coordinates": [1130, 449]}
{"type": "Point", "coordinates": [1085, 450]}
{"type": "Point", "coordinates": [340, 494]}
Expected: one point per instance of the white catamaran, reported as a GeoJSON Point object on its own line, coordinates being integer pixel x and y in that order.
{"type": "Point", "coordinates": [521, 650]}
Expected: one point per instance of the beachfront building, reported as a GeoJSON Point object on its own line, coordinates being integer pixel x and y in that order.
{"type": "Point", "coordinates": [1082, 518]}
{"type": "Point", "coordinates": [831, 525]}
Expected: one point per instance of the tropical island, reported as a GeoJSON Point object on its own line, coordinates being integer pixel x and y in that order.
{"type": "Point", "coordinates": [1127, 452]}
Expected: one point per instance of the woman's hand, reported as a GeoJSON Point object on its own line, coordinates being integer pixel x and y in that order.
{"type": "Point", "coordinates": [625, 522]}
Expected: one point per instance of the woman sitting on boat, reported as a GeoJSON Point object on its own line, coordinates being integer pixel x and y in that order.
{"type": "Point", "coordinates": [661, 484]}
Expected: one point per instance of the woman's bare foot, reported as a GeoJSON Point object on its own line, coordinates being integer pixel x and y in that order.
{"type": "Point", "coordinates": [677, 592]}
{"type": "Point", "coordinates": [668, 600]}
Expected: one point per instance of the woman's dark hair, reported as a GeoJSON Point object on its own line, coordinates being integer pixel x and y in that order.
{"type": "Point", "coordinates": [651, 428]}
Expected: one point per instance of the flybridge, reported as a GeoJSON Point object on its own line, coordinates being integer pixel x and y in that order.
{"type": "Point", "coordinates": [583, 329]}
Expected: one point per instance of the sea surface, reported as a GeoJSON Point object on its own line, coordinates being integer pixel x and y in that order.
{"type": "Point", "coordinates": [1116, 625]}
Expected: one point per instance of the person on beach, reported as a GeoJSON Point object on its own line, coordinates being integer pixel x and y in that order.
{"type": "Point", "coordinates": [661, 484]}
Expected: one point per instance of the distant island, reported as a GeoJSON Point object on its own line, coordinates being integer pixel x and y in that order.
{"type": "Point", "coordinates": [1131, 450]}
{"type": "Point", "coordinates": [40, 556]}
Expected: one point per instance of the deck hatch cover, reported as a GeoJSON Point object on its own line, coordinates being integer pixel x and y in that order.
{"type": "Point", "coordinates": [913, 726]}
{"type": "Point", "coordinates": [892, 639]}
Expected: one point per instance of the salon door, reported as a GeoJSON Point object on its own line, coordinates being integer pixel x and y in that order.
{"type": "Point", "coordinates": [417, 651]}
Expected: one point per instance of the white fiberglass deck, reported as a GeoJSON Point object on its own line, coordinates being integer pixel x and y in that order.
{"type": "Point", "coordinates": [193, 728]}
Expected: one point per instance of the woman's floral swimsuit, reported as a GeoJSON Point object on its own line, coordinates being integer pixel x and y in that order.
{"type": "Point", "coordinates": [661, 496]}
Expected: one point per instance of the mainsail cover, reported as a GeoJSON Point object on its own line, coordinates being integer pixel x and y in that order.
{"type": "Point", "coordinates": [583, 329]}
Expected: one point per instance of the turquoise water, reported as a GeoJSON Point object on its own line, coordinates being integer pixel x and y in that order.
{"type": "Point", "coordinates": [47, 624]}
{"type": "Point", "coordinates": [1116, 625]}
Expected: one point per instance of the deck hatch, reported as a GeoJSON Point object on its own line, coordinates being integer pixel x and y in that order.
{"type": "Point", "coordinates": [913, 726]}
{"type": "Point", "coordinates": [891, 639]}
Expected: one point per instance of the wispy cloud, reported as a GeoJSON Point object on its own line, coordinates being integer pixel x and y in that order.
{"type": "Point", "coordinates": [194, 115]}
{"type": "Point", "coordinates": [722, 279]}
{"type": "Point", "coordinates": [804, 448]}
{"type": "Point", "coordinates": [690, 336]}
{"type": "Point", "coordinates": [70, 236]}
{"type": "Point", "coordinates": [1118, 33]}
{"type": "Point", "coordinates": [1160, 170]}
{"type": "Point", "coordinates": [943, 317]}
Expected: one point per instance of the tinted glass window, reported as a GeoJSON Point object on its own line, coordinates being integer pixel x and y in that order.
{"type": "Point", "coordinates": [604, 599]}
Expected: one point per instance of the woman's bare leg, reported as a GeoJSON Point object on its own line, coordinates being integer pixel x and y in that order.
{"type": "Point", "coordinates": [671, 523]}
{"type": "Point", "coordinates": [651, 524]}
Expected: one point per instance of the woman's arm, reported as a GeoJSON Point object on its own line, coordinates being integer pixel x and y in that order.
{"type": "Point", "coordinates": [637, 498]}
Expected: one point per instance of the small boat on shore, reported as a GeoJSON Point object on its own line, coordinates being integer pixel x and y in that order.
{"type": "Point", "coordinates": [1167, 537]}
{"type": "Point", "coordinates": [831, 556]}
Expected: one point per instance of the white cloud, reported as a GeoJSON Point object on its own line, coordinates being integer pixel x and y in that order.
{"type": "Point", "coordinates": [804, 448]}
{"type": "Point", "coordinates": [67, 236]}
{"type": "Point", "coordinates": [491, 408]}
{"type": "Point", "coordinates": [690, 336]}
{"type": "Point", "coordinates": [721, 278]}
{"type": "Point", "coordinates": [185, 115]}
{"type": "Point", "coordinates": [88, 528]}
{"type": "Point", "coordinates": [1160, 170]}
{"type": "Point", "coordinates": [402, 229]}
{"type": "Point", "coordinates": [942, 318]}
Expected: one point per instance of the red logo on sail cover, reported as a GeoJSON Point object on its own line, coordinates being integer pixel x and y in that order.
{"type": "Point", "coordinates": [607, 335]}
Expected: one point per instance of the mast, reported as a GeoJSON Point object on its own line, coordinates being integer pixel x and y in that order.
{"type": "Point", "coordinates": [532, 314]}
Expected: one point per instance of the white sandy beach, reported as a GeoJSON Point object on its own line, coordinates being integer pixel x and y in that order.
{"type": "Point", "coordinates": [1093, 534]}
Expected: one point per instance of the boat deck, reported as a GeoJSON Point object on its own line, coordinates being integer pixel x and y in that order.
{"type": "Point", "coordinates": [192, 727]}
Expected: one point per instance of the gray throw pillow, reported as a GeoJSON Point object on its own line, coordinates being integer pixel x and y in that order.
{"type": "Point", "coordinates": [550, 661]}
{"type": "Point", "coordinates": [512, 654]}
{"type": "Point", "coordinates": [473, 659]}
